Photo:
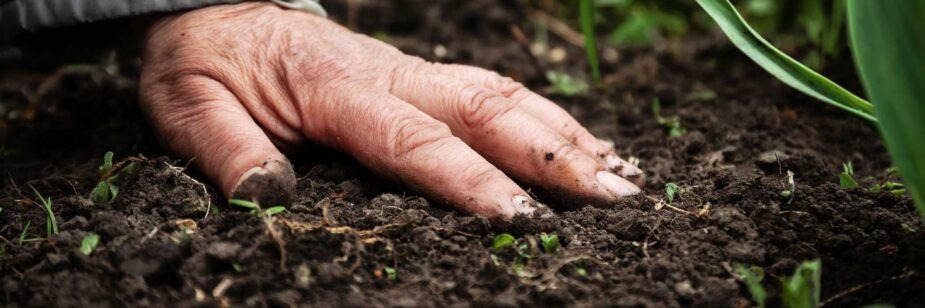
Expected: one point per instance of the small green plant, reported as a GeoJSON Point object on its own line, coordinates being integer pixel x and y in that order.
{"type": "Point", "coordinates": [895, 188]}
{"type": "Point", "coordinates": [51, 224]}
{"type": "Point", "coordinates": [752, 277]}
{"type": "Point", "coordinates": [672, 124]}
{"type": "Point", "coordinates": [89, 243]}
{"type": "Point", "coordinates": [798, 291]}
{"type": "Point", "coordinates": [237, 267]}
{"type": "Point", "coordinates": [255, 208]}
{"type": "Point", "coordinates": [846, 178]}
{"type": "Point", "coordinates": [111, 176]}
{"type": "Point", "coordinates": [550, 242]}
{"type": "Point", "coordinates": [565, 84]}
{"type": "Point", "coordinates": [25, 231]}
{"type": "Point", "coordinates": [503, 241]}
{"type": "Point", "coordinates": [789, 193]}
{"type": "Point", "coordinates": [803, 288]}
{"type": "Point", "coordinates": [391, 273]}
{"type": "Point", "coordinates": [671, 191]}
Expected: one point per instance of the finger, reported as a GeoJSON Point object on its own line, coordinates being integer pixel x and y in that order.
{"type": "Point", "coordinates": [200, 119]}
{"type": "Point", "coordinates": [549, 113]}
{"type": "Point", "coordinates": [511, 139]}
{"type": "Point", "coordinates": [396, 140]}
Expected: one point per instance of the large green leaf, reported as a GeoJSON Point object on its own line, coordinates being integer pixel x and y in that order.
{"type": "Point", "coordinates": [889, 44]}
{"type": "Point", "coordinates": [779, 64]}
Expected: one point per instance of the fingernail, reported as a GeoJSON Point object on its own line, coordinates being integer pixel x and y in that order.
{"type": "Point", "coordinates": [607, 143]}
{"type": "Point", "coordinates": [271, 184]}
{"type": "Point", "coordinates": [616, 185]}
{"type": "Point", "coordinates": [527, 206]}
{"type": "Point", "coordinates": [622, 167]}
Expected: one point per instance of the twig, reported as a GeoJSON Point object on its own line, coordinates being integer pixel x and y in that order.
{"type": "Point", "coordinates": [661, 203]}
{"type": "Point", "coordinates": [178, 171]}
{"type": "Point", "coordinates": [558, 27]}
{"type": "Point", "coordinates": [907, 274]}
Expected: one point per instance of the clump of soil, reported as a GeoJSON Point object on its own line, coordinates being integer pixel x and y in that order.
{"type": "Point", "coordinates": [351, 239]}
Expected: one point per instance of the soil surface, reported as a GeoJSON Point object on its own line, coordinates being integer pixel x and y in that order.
{"type": "Point", "coordinates": [167, 240]}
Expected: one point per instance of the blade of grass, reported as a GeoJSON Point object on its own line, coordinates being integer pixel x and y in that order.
{"type": "Point", "coordinates": [780, 65]}
{"type": "Point", "coordinates": [586, 14]}
{"type": "Point", "coordinates": [888, 42]}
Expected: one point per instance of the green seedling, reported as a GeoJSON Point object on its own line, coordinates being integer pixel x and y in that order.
{"type": "Point", "coordinates": [255, 208]}
{"type": "Point", "coordinates": [111, 176]}
{"type": "Point", "coordinates": [88, 244]}
{"type": "Point", "coordinates": [789, 193]}
{"type": "Point", "coordinates": [803, 288]}
{"type": "Point", "coordinates": [798, 291]}
{"type": "Point", "coordinates": [22, 235]}
{"type": "Point", "coordinates": [237, 267]}
{"type": "Point", "coordinates": [895, 188]}
{"type": "Point", "coordinates": [672, 190]}
{"type": "Point", "coordinates": [586, 16]}
{"type": "Point", "coordinates": [672, 124]}
{"type": "Point", "coordinates": [391, 273]}
{"type": "Point", "coordinates": [51, 224]}
{"type": "Point", "coordinates": [752, 277]}
{"type": "Point", "coordinates": [550, 242]}
{"type": "Point", "coordinates": [565, 84]}
{"type": "Point", "coordinates": [503, 241]}
{"type": "Point", "coordinates": [846, 178]}
{"type": "Point", "coordinates": [581, 271]}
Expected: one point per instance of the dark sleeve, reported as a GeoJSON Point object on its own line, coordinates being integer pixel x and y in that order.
{"type": "Point", "coordinates": [23, 16]}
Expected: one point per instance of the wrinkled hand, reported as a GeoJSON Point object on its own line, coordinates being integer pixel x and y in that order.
{"type": "Point", "coordinates": [230, 85]}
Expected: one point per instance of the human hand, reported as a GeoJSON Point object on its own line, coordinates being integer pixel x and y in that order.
{"type": "Point", "coordinates": [230, 85]}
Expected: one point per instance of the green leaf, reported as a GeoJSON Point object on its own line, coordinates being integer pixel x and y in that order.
{"type": "Point", "coordinates": [782, 66]}
{"type": "Point", "coordinates": [586, 16]}
{"type": "Point", "coordinates": [503, 241]}
{"type": "Point", "coordinates": [550, 242]}
{"type": "Point", "coordinates": [275, 210]}
{"type": "Point", "coordinates": [803, 288]}
{"type": "Point", "coordinates": [88, 244]}
{"type": "Point", "coordinates": [671, 190]}
{"type": "Point", "coordinates": [752, 277]}
{"type": "Point", "coordinates": [107, 163]}
{"type": "Point", "coordinates": [243, 203]}
{"type": "Point", "coordinates": [391, 273]}
{"type": "Point", "coordinates": [25, 231]}
{"type": "Point", "coordinates": [846, 181]}
{"type": "Point", "coordinates": [673, 124]}
{"type": "Point", "coordinates": [888, 42]}
{"type": "Point", "coordinates": [846, 178]}
{"type": "Point", "coordinates": [101, 194]}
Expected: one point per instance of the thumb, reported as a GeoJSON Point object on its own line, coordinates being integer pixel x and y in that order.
{"type": "Point", "coordinates": [199, 119]}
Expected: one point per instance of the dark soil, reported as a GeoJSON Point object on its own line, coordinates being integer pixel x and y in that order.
{"type": "Point", "coordinates": [332, 247]}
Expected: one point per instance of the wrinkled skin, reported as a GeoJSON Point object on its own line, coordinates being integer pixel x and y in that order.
{"type": "Point", "coordinates": [230, 86]}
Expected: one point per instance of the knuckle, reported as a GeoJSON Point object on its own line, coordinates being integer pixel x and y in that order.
{"type": "Point", "coordinates": [480, 106]}
{"type": "Point", "coordinates": [567, 151]}
{"type": "Point", "coordinates": [477, 175]}
{"type": "Point", "coordinates": [411, 135]}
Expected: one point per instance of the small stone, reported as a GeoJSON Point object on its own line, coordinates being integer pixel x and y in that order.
{"type": "Point", "coordinates": [224, 251]}
{"type": "Point", "coordinates": [772, 157]}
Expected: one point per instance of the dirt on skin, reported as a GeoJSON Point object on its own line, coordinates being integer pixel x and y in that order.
{"type": "Point", "coordinates": [168, 240]}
